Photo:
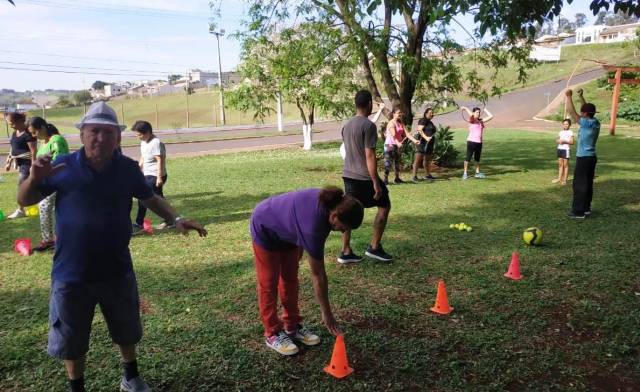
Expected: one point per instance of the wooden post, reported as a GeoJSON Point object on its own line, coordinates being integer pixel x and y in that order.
{"type": "Point", "coordinates": [157, 126]}
{"type": "Point", "coordinates": [84, 108]}
{"type": "Point", "coordinates": [614, 103]}
{"type": "Point", "coordinates": [188, 119]}
{"type": "Point", "coordinates": [122, 111]}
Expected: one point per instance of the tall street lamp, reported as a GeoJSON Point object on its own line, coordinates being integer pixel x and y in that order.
{"type": "Point", "coordinates": [218, 34]}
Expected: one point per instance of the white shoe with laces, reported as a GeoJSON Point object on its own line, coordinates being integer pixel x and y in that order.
{"type": "Point", "coordinates": [282, 344]}
{"type": "Point", "coordinates": [16, 214]}
{"type": "Point", "coordinates": [304, 336]}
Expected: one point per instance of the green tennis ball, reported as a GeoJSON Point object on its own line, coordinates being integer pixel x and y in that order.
{"type": "Point", "coordinates": [451, 226]}
{"type": "Point", "coordinates": [469, 228]}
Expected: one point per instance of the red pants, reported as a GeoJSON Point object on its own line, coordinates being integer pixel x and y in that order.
{"type": "Point", "coordinates": [277, 272]}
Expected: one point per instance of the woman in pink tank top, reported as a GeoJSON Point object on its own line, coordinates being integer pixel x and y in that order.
{"type": "Point", "coordinates": [395, 136]}
{"type": "Point", "coordinates": [474, 140]}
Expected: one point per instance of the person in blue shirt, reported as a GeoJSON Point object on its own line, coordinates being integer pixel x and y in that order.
{"type": "Point", "coordinates": [92, 263]}
{"type": "Point", "coordinates": [586, 158]}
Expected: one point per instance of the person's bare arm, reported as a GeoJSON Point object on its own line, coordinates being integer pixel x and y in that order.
{"type": "Point", "coordinates": [28, 192]}
{"type": "Point", "coordinates": [580, 93]}
{"type": "Point", "coordinates": [490, 116]}
{"type": "Point", "coordinates": [163, 209]}
{"type": "Point", "coordinates": [321, 288]}
{"type": "Point", "coordinates": [466, 109]}
{"type": "Point", "coordinates": [570, 108]}
{"type": "Point", "coordinates": [372, 168]}
{"type": "Point", "coordinates": [32, 148]}
{"type": "Point", "coordinates": [141, 163]}
{"type": "Point", "coordinates": [159, 180]}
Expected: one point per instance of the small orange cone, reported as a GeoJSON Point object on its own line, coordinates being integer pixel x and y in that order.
{"type": "Point", "coordinates": [146, 226]}
{"type": "Point", "coordinates": [23, 246]}
{"type": "Point", "coordinates": [339, 365]}
{"type": "Point", "coordinates": [514, 267]}
{"type": "Point", "coordinates": [442, 301]}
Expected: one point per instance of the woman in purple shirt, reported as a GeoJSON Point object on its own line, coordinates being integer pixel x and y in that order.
{"type": "Point", "coordinates": [282, 227]}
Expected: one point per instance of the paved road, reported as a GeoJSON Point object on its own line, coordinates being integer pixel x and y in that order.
{"type": "Point", "coordinates": [512, 110]}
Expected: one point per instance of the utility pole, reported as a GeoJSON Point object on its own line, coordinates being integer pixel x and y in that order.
{"type": "Point", "coordinates": [218, 34]}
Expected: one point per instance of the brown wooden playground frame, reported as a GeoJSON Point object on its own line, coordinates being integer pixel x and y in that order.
{"type": "Point", "coordinates": [617, 81]}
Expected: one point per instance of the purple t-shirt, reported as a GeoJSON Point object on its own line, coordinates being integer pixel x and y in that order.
{"type": "Point", "coordinates": [293, 219]}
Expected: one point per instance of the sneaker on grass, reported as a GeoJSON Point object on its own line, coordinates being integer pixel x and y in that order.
{"type": "Point", "coordinates": [480, 175]}
{"type": "Point", "coordinates": [304, 336]}
{"type": "Point", "coordinates": [136, 384]}
{"type": "Point", "coordinates": [378, 254]}
{"type": "Point", "coordinates": [465, 176]}
{"type": "Point", "coordinates": [136, 229]}
{"type": "Point", "coordinates": [349, 258]}
{"type": "Point", "coordinates": [282, 344]}
{"type": "Point", "coordinates": [17, 214]}
{"type": "Point", "coordinates": [573, 215]}
{"type": "Point", "coordinates": [44, 246]}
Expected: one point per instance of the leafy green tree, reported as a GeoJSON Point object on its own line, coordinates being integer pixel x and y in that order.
{"type": "Point", "coordinates": [414, 36]}
{"type": "Point", "coordinates": [173, 78]}
{"type": "Point", "coordinates": [63, 102]}
{"type": "Point", "coordinates": [98, 85]}
{"type": "Point", "coordinates": [580, 20]}
{"type": "Point", "coordinates": [306, 65]}
{"type": "Point", "coordinates": [82, 97]}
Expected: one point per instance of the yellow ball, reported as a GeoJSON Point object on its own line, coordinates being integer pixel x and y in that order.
{"type": "Point", "coordinates": [532, 236]}
{"type": "Point", "coordinates": [452, 226]}
{"type": "Point", "coordinates": [469, 228]}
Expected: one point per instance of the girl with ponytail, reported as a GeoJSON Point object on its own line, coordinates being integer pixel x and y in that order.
{"type": "Point", "coordinates": [282, 227]}
{"type": "Point", "coordinates": [54, 145]}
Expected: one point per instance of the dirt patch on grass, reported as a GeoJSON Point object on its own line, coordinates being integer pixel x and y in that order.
{"type": "Point", "coordinates": [145, 306]}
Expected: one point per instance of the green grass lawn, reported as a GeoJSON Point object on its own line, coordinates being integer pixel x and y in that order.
{"type": "Point", "coordinates": [204, 110]}
{"type": "Point", "coordinates": [570, 324]}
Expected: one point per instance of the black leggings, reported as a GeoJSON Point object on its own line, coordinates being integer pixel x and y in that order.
{"type": "Point", "coordinates": [583, 175]}
{"type": "Point", "coordinates": [474, 149]}
{"type": "Point", "coordinates": [142, 210]}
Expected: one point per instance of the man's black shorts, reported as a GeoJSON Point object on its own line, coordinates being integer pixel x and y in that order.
{"type": "Point", "coordinates": [474, 149]}
{"type": "Point", "coordinates": [363, 191]}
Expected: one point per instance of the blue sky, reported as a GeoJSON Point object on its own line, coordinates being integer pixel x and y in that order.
{"type": "Point", "coordinates": [145, 39]}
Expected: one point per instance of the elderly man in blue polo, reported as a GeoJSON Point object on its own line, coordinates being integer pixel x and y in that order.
{"type": "Point", "coordinates": [92, 263]}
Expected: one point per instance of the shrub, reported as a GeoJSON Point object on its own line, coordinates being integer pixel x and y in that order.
{"type": "Point", "coordinates": [444, 153]}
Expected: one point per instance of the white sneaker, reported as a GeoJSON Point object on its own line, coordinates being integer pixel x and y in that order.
{"type": "Point", "coordinates": [304, 336]}
{"type": "Point", "coordinates": [282, 344]}
{"type": "Point", "coordinates": [16, 214]}
{"type": "Point", "coordinates": [134, 385]}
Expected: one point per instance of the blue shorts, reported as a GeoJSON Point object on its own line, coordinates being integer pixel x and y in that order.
{"type": "Point", "coordinates": [71, 309]}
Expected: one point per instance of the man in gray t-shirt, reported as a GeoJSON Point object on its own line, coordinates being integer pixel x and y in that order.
{"type": "Point", "coordinates": [360, 175]}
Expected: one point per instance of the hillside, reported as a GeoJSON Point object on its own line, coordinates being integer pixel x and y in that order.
{"type": "Point", "coordinates": [204, 110]}
{"type": "Point", "coordinates": [615, 53]}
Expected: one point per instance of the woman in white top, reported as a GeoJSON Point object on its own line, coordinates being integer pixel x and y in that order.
{"type": "Point", "coordinates": [565, 140]}
{"type": "Point", "coordinates": [153, 163]}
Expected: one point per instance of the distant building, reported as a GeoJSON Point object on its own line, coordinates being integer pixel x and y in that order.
{"type": "Point", "coordinates": [619, 33]}
{"type": "Point", "coordinates": [589, 34]}
{"type": "Point", "coordinates": [112, 90]}
{"type": "Point", "coordinates": [553, 41]}
{"type": "Point", "coordinates": [25, 107]}
{"type": "Point", "coordinates": [199, 78]}
{"type": "Point", "coordinates": [601, 34]}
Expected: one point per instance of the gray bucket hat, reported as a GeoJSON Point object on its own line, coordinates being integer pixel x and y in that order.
{"type": "Point", "coordinates": [100, 113]}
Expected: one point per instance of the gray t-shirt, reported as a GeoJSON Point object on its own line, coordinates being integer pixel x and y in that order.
{"type": "Point", "coordinates": [149, 150]}
{"type": "Point", "coordinates": [357, 134]}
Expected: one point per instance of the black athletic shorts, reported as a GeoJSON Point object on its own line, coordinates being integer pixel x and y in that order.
{"type": "Point", "coordinates": [474, 149]}
{"type": "Point", "coordinates": [425, 148]}
{"type": "Point", "coordinates": [564, 154]}
{"type": "Point", "coordinates": [363, 191]}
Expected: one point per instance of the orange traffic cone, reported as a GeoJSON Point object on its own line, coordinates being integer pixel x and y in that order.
{"type": "Point", "coordinates": [146, 226]}
{"type": "Point", "coordinates": [442, 302]}
{"type": "Point", "coordinates": [514, 267]}
{"type": "Point", "coordinates": [339, 365]}
{"type": "Point", "coordinates": [23, 246]}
